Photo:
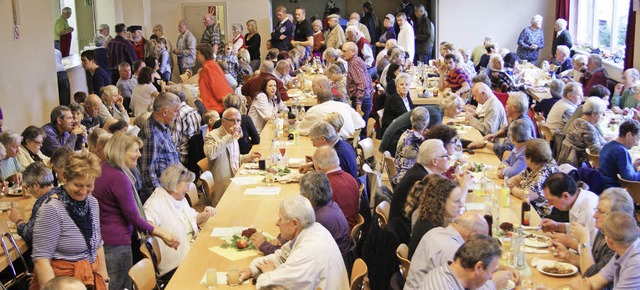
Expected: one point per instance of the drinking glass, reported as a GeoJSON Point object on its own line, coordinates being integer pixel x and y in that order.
{"type": "Point", "coordinates": [233, 276]}
{"type": "Point", "coordinates": [212, 278]}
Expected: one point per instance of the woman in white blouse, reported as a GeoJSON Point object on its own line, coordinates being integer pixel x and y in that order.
{"type": "Point", "coordinates": [267, 104]}
{"type": "Point", "coordinates": [167, 208]}
{"type": "Point", "coordinates": [238, 39]}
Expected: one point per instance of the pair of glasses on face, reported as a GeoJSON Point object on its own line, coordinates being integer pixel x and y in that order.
{"type": "Point", "coordinates": [232, 120]}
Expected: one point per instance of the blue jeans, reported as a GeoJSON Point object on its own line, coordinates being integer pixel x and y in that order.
{"type": "Point", "coordinates": [119, 261]}
{"type": "Point", "coordinates": [366, 109]}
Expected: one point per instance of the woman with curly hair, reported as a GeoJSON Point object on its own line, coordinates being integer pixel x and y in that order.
{"type": "Point", "coordinates": [439, 201]}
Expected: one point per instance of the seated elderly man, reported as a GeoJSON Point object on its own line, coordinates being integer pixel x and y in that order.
{"type": "Point", "coordinates": [516, 109]}
{"type": "Point", "coordinates": [623, 93]}
{"type": "Point", "coordinates": [222, 149]}
{"type": "Point", "coordinates": [311, 259]}
{"type": "Point", "coordinates": [394, 55]}
{"type": "Point", "coordinates": [92, 106]}
{"type": "Point", "coordinates": [126, 83]}
{"type": "Point", "coordinates": [332, 56]}
{"type": "Point", "coordinates": [624, 268]}
{"type": "Point", "coordinates": [326, 105]}
{"type": "Point", "coordinates": [364, 46]}
{"type": "Point", "coordinates": [316, 188]}
{"type": "Point", "coordinates": [471, 268]}
{"type": "Point", "coordinates": [344, 186]}
{"type": "Point", "coordinates": [282, 70]}
{"type": "Point", "coordinates": [381, 59]}
{"type": "Point", "coordinates": [112, 105]}
{"type": "Point", "coordinates": [615, 159]}
{"type": "Point", "coordinates": [432, 159]}
{"type": "Point", "coordinates": [252, 87]}
{"type": "Point", "coordinates": [555, 89]}
{"type": "Point", "coordinates": [563, 109]}
{"type": "Point", "coordinates": [409, 143]}
{"type": "Point", "coordinates": [563, 56]}
{"type": "Point", "coordinates": [563, 194]}
{"type": "Point", "coordinates": [491, 116]}
{"type": "Point", "coordinates": [595, 74]}
{"type": "Point", "coordinates": [322, 133]}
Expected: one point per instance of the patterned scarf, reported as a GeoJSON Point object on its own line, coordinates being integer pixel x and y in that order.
{"type": "Point", "coordinates": [80, 213]}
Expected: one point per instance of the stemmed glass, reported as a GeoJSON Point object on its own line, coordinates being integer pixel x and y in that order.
{"type": "Point", "coordinates": [282, 148]}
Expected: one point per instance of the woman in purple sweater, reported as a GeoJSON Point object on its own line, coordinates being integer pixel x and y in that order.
{"type": "Point", "coordinates": [121, 209]}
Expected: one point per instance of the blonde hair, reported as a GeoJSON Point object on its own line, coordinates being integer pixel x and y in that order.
{"type": "Point", "coordinates": [82, 165]}
{"type": "Point", "coordinates": [175, 174]}
{"type": "Point", "coordinates": [243, 54]}
{"type": "Point", "coordinates": [116, 148]}
{"type": "Point", "coordinates": [335, 120]}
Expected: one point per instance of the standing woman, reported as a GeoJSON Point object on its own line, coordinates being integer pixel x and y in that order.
{"type": "Point", "coordinates": [212, 82]}
{"type": "Point", "coordinates": [121, 208]}
{"type": "Point", "coordinates": [29, 150]}
{"type": "Point", "coordinates": [238, 40]}
{"type": "Point", "coordinates": [144, 92]}
{"type": "Point", "coordinates": [252, 42]}
{"type": "Point", "coordinates": [398, 103]}
{"type": "Point", "coordinates": [66, 233]}
{"type": "Point", "coordinates": [267, 104]}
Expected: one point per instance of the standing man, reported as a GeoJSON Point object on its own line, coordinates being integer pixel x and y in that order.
{"type": "Point", "coordinates": [359, 85]}
{"type": "Point", "coordinates": [364, 47]}
{"type": "Point", "coordinates": [406, 36]}
{"type": "Point", "coordinates": [104, 30]}
{"type": "Point", "coordinates": [96, 76]}
{"type": "Point", "coordinates": [185, 47]}
{"type": "Point", "coordinates": [336, 36]}
{"type": "Point", "coordinates": [62, 32]}
{"type": "Point", "coordinates": [211, 34]}
{"type": "Point", "coordinates": [303, 34]}
{"type": "Point", "coordinates": [126, 83]}
{"type": "Point", "coordinates": [563, 37]}
{"type": "Point", "coordinates": [355, 17]}
{"type": "Point", "coordinates": [119, 50]}
{"type": "Point", "coordinates": [282, 31]}
{"type": "Point", "coordinates": [159, 151]}
{"type": "Point", "coordinates": [425, 36]}
{"type": "Point", "coordinates": [531, 40]}
{"type": "Point", "coordinates": [139, 42]}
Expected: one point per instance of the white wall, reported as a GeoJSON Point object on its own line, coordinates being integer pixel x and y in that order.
{"type": "Point", "coordinates": [28, 85]}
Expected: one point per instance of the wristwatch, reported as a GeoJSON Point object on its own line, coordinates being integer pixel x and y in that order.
{"type": "Point", "coordinates": [583, 246]}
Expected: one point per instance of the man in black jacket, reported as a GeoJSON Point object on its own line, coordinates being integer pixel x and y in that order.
{"type": "Point", "coordinates": [424, 39]}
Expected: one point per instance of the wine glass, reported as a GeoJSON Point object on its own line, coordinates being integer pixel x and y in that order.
{"type": "Point", "coordinates": [282, 148]}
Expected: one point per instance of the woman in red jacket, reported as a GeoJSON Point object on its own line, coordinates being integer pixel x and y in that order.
{"type": "Point", "coordinates": [212, 82]}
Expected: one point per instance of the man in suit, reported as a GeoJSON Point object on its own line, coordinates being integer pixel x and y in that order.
{"type": "Point", "coordinates": [562, 37]}
{"type": "Point", "coordinates": [222, 150]}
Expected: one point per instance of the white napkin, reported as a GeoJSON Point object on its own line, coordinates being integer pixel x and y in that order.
{"type": "Point", "coordinates": [263, 190]}
{"type": "Point", "coordinates": [222, 232]}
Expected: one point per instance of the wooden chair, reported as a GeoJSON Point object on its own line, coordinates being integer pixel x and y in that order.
{"type": "Point", "coordinates": [371, 127]}
{"type": "Point", "coordinates": [355, 138]}
{"type": "Point", "coordinates": [633, 187]}
{"type": "Point", "coordinates": [389, 165]}
{"type": "Point", "coordinates": [545, 132]}
{"type": "Point", "coordinates": [373, 182]}
{"type": "Point", "coordinates": [383, 213]}
{"type": "Point", "coordinates": [207, 183]}
{"type": "Point", "coordinates": [402, 252]}
{"type": "Point", "coordinates": [192, 193]}
{"type": "Point", "coordinates": [356, 232]}
{"type": "Point", "coordinates": [143, 276]}
{"type": "Point", "coordinates": [365, 150]}
{"type": "Point", "coordinates": [358, 273]}
{"type": "Point", "coordinates": [203, 164]}
{"type": "Point", "coordinates": [594, 159]}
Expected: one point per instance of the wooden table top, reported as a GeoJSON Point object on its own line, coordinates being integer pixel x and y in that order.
{"type": "Point", "coordinates": [261, 212]}
{"type": "Point", "coordinates": [25, 203]}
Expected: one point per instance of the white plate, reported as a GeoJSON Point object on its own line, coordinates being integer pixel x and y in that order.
{"type": "Point", "coordinates": [547, 263]}
{"type": "Point", "coordinates": [5, 205]}
{"type": "Point", "coordinates": [15, 192]}
{"type": "Point", "coordinates": [251, 165]}
{"type": "Point", "coordinates": [535, 243]}
{"type": "Point", "coordinates": [510, 285]}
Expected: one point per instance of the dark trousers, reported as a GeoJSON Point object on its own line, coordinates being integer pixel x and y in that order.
{"type": "Point", "coordinates": [366, 109]}
{"type": "Point", "coordinates": [64, 88]}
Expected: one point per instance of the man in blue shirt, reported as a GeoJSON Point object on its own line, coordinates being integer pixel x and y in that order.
{"type": "Point", "coordinates": [615, 158]}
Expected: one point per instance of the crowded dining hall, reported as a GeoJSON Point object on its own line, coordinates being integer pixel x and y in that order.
{"type": "Point", "coordinates": [334, 144]}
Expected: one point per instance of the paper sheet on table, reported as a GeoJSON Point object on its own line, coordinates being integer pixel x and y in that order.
{"type": "Point", "coordinates": [245, 180]}
{"type": "Point", "coordinates": [263, 190]}
{"type": "Point", "coordinates": [233, 254]}
{"type": "Point", "coordinates": [222, 279]}
{"type": "Point", "coordinates": [222, 232]}
{"type": "Point", "coordinates": [474, 206]}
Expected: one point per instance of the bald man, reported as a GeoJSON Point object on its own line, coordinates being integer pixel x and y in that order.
{"type": "Point", "coordinates": [491, 116]}
{"type": "Point", "coordinates": [92, 107]}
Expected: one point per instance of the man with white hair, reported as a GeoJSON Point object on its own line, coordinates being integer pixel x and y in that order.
{"type": "Point", "coordinates": [62, 32]}
{"type": "Point", "coordinates": [332, 56]}
{"type": "Point", "coordinates": [623, 93]}
{"type": "Point", "coordinates": [531, 40]}
{"type": "Point", "coordinates": [336, 36]}
{"type": "Point", "coordinates": [359, 85]}
{"type": "Point", "coordinates": [364, 47]}
{"type": "Point", "coordinates": [425, 35]}
{"type": "Point", "coordinates": [563, 109]}
{"type": "Point", "coordinates": [344, 187]}
{"type": "Point", "coordinates": [491, 116]}
{"type": "Point", "coordinates": [211, 34]}
{"type": "Point", "coordinates": [562, 37]}
{"type": "Point", "coordinates": [406, 36]}
{"type": "Point", "coordinates": [595, 74]}
{"type": "Point", "coordinates": [321, 134]}
{"type": "Point", "coordinates": [282, 73]}
{"type": "Point", "coordinates": [391, 43]}
{"type": "Point", "coordinates": [354, 19]}
{"type": "Point", "coordinates": [326, 105]}
{"type": "Point", "coordinates": [562, 57]}
{"type": "Point", "coordinates": [311, 259]}
{"type": "Point", "coordinates": [104, 30]}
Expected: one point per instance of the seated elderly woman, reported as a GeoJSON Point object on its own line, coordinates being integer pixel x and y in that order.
{"type": "Point", "coordinates": [312, 261]}
{"type": "Point", "coordinates": [451, 105]}
{"type": "Point", "coordinates": [29, 150]}
{"type": "Point", "coordinates": [555, 89]}
{"type": "Point", "coordinates": [37, 181]}
{"type": "Point", "coordinates": [315, 186]}
{"type": "Point", "coordinates": [231, 80]}
{"type": "Point", "coordinates": [10, 169]}
{"type": "Point", "coordinates": [583, 133]}
{"type": "Point", "coordinates": [433, 202]}
{"type": "Point", "coordinates": [398, 103]}
{"type": "Point", "coordinates": [500, 80]}
{"type": "Point", "coordinates": [66, 233]}
{"type": "Point", "coordinates": [409, 143]}
{"type": "Point", "coordinates": [336, 121]}
{"type": "Point", "coordinates": [167, 208]}
{"type": "Point", "coordinates": [579, 62]}
{"type": "Point", "coordinates": [338, 83]}
{"type": "Point", "coordinates": [519, 133]}
{"type": "Point", "coordinates": [528, 184]}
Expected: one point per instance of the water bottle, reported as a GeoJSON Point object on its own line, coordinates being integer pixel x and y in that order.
{"type": "Point", "coordinates": [520, 257]}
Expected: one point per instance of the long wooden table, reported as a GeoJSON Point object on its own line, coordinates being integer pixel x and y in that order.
{"type": "Point", "coordinates": [261, 212]}
{"type": "Point", "coordinates": [25, 203]}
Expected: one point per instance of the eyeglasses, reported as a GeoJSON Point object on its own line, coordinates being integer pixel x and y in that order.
{"type": "Point", "coordinates": [37, 142]}
{"type": "Point", "coordinates": [600, 212]}
{"type": "Point", "coordinates": [232, 120]}
{"type": "Point", "coordinates": [446, 156]}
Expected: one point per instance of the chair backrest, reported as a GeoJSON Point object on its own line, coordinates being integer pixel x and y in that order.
{"type": "Point", "coordinates": [545, 132]}
{"type": "Point", "coordinates": [366, 145]}
{"type": "Point", "coordinates": [203, 164]}
{"type": "Point", "coordinates": [356, 231]}
{"type": "Point", "coordinates": [207, 183]}
{"type": "Point", "coordinates": [192, 193]}
{"type": "Point", "coordinates": [143, 275]}
{"type": "Point", "coordinates": [594, 159]}
{"type": "Point", "coordinates": [373, 182]}
{"type": "Point", "coordinates": [538, 117]}
{"type": "Point", "coordinates": [402, 252]}
{"type": "Point", "coordinates": [356, 138]}
{"type": "Point", "coordinates": [389, 165]}
{"type": "Point", "coordinates": [371, 126]}
{"type": "Point", "coordinates": [10, 254]}
{"type": "Point", "coordinates": [633, 187]}
{"type": "Point", "coordinates": [358, 273]}
{"type": "Point", "coordinates": [383, 213]}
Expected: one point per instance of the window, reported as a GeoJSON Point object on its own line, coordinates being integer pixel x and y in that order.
{"type": "Point", "coordinates": [602, 24]}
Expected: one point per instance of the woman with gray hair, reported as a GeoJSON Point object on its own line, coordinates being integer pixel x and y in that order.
{"type": "Point", "coordinates": [312, 261]}
{"type": "Point", "coordinates": [121, 208]}
{"type": "Point", "coordinates": [409, 143]}
{"type": "Point", "coordinates": [583, 133]}
{"type": "Point", "coordinates": [531, 40]}
{"type": "Point", "coordinates": [315, 186]}
{"type": "Point", "coordinates": [244, 65]}
{"type": "Point", "coordinates": [451, 105]}
{"type": "Point", "coordinates": [167, 208]}
{"type": "Point", "coordinates": [519, 133]}
{"type": "Point", "coordinates": [555, 89]}
{"type": "Point", "coordinates": [9, 166]}
{"type": "Point", "coordinates": [238, 40]}
{"type": "Point", "coordinates": [322, 133]}
{"type": "Point", "coordinates": [500, 80]}
{"type": "Point", "coordinates": [332, 56]}
{"type": "Point", "coordinates": [398, 103]}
